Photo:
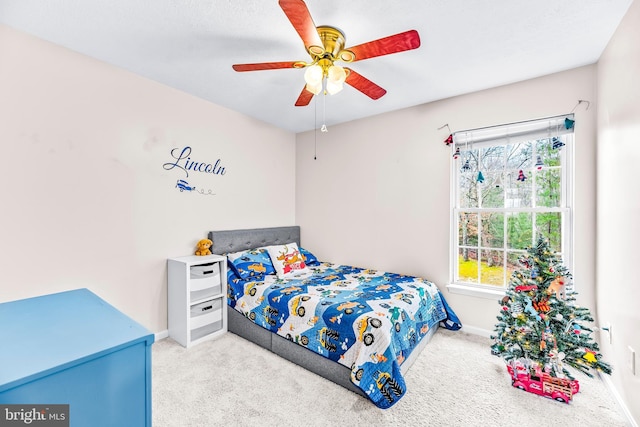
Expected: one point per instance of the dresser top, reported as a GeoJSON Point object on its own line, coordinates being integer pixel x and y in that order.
{"type": "Point", "coordinates": [45, 334]}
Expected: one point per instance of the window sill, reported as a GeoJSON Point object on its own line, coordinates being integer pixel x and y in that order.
{"type": "Point", "coordinates": [495, 294]}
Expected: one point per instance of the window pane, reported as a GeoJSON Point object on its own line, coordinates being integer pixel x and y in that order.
{"type": "Point", "coordinates": [468, 160]}
{"type": "Point", "coordinates": [492, 230]}
{"type": "Point", "coordinates": [468, 173]}
{"type": "Point", "coordinates": [492, 190]}
{"type": "Point", "coordinates": [512, 263]}
{"type": "Point", "coordinates": [468, 229]}
{"type": "Point", "coordinates": [468, 265]}
{"type": "Point", "coordinates": [550, 156]}
{"type": "Point", "coordinates": [492, 267]}
{"type": "Point", "coordinates": [519, 156]}
{"type": "Point", "coordinates": [492, 158]}
{"type": "Point", "coordinates": [518, 192]}
{"type": "Point", "coordinates": [519, 230]}
{"type": "Point", "coordinates": [549, 225]}
{"type": "Point", "coordinates": [548, 188]}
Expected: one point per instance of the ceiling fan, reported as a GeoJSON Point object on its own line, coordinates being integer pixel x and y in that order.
{"type": "Point", "coordinates": [326, 45]}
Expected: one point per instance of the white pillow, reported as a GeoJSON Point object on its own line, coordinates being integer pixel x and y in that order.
{"type": "Point", "coordinates": [287, 260]}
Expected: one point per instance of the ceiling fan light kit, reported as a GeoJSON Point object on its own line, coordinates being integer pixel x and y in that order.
{"type": "Point", "coordinates": [326, 45]}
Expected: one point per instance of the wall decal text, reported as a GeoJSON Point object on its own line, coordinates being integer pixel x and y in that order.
{"type": "Point", "coordinates": [184, 162]}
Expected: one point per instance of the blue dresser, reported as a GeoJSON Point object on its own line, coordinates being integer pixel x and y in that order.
{"type": "Point", "coordinates": [74, 348]}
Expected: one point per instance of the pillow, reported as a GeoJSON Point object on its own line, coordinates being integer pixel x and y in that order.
{"type": "Point", "coordinates": [287, 260]}
{"type": "Point", "coordinates": [308, 257]}
{"type": "Point", "coordinates": [251, 263]}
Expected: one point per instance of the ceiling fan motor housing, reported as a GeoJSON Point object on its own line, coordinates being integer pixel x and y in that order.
{"type": "Point", "coordinates": [334, 41]}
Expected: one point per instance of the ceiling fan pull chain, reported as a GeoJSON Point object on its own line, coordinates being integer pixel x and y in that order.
{"type": "Point", "coordinates": [324, 115]}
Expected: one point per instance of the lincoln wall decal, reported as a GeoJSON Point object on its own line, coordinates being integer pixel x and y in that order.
{"type": "Point", "coordinates": [182, 161]}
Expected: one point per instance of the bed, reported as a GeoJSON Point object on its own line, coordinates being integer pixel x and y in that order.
{"type": "Point", "coordinates": [359, 328]}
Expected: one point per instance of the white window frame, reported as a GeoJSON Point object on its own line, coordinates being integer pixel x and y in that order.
{"type": "Point", "coordinates": [503, 135]}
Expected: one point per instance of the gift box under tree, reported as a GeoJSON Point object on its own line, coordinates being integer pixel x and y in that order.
{"type": "Point", "coordinates": [541, 330]}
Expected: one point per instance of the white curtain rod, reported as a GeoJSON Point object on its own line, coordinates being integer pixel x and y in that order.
{"type": "Point", "coordinates": [561, 116]}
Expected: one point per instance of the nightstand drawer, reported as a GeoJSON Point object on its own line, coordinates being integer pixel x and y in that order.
{"type": "Point", "coordinates": [205, 270]}
{"type": "Point", "coordinates": [205, 313]}
{"type": "Point", "coordinates": [206, 307]}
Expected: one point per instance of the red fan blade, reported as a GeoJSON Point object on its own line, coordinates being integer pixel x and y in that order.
{"type": "Point", "coordinates": [265, 66]}
{"type": "Point", "coordinates": [298, 14]}
{"type": "Point", "coordinates": [364, 85]}
{"type": "Point", "coordinates": [387, 45]}
{"type": "Point", "coordinates": [305, 98]}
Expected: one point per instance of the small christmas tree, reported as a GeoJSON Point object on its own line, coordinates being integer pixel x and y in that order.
{"type": "Point", "coordinates": [540, 328]}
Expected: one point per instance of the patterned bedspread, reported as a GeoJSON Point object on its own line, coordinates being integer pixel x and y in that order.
{"type": "Point", "coordinates": [367, 320]}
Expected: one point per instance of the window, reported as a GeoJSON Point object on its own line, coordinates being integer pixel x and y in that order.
{"type": "Point", "coordinates": [509, 184]}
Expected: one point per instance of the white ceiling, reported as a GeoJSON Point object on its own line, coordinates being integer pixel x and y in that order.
{"type": "Point", "coordinates": [467, 45]}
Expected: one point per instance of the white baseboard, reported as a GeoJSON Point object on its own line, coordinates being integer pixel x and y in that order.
{"type": "Point", "coordinates": [162, 335]}
{"type": "Point", "coordinates": [607, 380]}
{"type": "Point", "coordinates": [476, 331]}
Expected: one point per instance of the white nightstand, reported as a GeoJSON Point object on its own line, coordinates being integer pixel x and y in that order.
{"type": "Point", "coordinates": [197, 298]}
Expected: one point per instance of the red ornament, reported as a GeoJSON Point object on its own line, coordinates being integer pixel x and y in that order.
{"type": "Point", "coordinates": [449, 140]}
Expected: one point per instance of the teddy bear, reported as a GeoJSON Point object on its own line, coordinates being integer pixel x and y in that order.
{"type": "Point", "coordinates": [203, 247]}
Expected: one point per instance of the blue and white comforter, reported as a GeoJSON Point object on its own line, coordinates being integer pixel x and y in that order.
{"type": "Point", "coordinates": [367, 320]}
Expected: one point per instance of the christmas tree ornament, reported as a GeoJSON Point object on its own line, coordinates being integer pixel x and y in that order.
{"type": "Point", "coordinates": [498, 182]}
{"type": "Point", "coordinates": [480, 178]}
{"type": "Point", "coordinates": [521, 176]}
{"type": "Point", "coordinates": [556, 143]}
{"type": "Point", "coordinates": [529, 308]}
{"type": "Point", "coordinates": [542, 305]}
{"type": "Point", "coordinates": [449, 140]}
{"type": "Point", "coordinates": [524, 260]}
{"type": "Point", "coordinates": [556, 287]}
{"type": "Point", "coordinates": [568, 123]}
{"type": "Point", "coordinates": [539, 163]}
{"type": "Point", "coordinates": [457, 153]}
{"type": "Point", "coordinates": [539, 336]}
{"type": "Point", "coordinates": [466, 167]}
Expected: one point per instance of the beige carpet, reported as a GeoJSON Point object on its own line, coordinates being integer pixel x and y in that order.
{"type": "Point", "coordinates": [454, 382]}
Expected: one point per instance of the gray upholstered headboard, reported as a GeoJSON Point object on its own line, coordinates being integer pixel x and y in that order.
{"type": "Point", "coordinates": [237, 240]}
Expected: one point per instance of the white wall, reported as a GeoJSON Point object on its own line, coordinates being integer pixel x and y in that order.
{"type": "Point", "coordinates": [618, 210]}
{"type": "Point", "coordinates": [378, 194]}
{"type": "Point", "coordinates": [85, 199]}
{"type": "Point", "coordinates": [86, 202]}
